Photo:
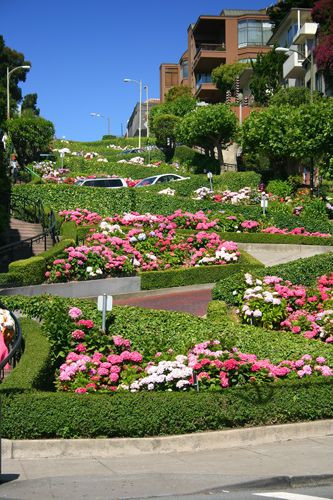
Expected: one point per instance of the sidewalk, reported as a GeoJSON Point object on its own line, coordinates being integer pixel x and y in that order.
{"type": "Point", "coordinates": [168, 474]}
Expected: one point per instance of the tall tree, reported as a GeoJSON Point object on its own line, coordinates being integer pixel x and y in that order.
{"type": "Point", "coordinates": [176, 92]}
{"type": "Point", "coordinates": [267, 75]}
{"type": "Point", "coordinates": [12, 59]}
{"type": "Point", "coordinates": [29, 105]}
{"type": "Point", "coordinates": [209, 127]}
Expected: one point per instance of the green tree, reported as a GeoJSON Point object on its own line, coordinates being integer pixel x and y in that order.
{"type": "Point", "coordinates": [29, 105]}
{"type": "Point", "coordinates": [282, 133]}
{"type": "Point", "coordinates": [10, 58]}
{"type": "Point", "coordinates": [293, 96]}
{"type": "Point", "coordinates": [165, 126]}
{"type": "Point", "coordinates": [267, 75]}
{"type": "Point", "coordinates": [30, 136]}
{"type": "Point", "coordinates": [176, 92]}
{"type": "Point", "coordinates": [224, 76]}
{"type": "Point", "coordinates": [209, 127]}
{"type": "Point", "coordinates": [279, 10]}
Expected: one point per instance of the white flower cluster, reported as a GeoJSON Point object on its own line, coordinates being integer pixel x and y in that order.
{"type": "Point", "coordinates": [235, 197]}
{"type": "Point", "coordinates": [201, 193]}
{"type": "Point", "coordinates": [104, 160]}
{"type": "Point", "coordinates": [257, 292]}
{"type": "Point", "coordinates": [91, 272]}
{"type": "Point", "coordinates": [108, 228]}
{"type": "Point", "coordinates": [168, 191]}
{"type": "Point", "coordinates": [175, 373]}
{"type": "Point", "coordinates": [221, 254]}
{"type": "Point", "coordinates": [137, 160]}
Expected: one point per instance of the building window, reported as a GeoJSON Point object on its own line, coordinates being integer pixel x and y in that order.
{"type": "Point", "coordinates": [319, 82]}
{"type": "Point", "coordinates": [201, 78]}
{"type": "Point", "coordinates": [291, 33]}
{"type": "Point", "coordinates": [171, 78]}
{"type": "Point", "coordinates": [184, 70]}
{"type": "Point", "coordinates": [252, 32]}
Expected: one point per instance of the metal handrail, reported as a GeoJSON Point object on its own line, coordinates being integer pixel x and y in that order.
{"type": "Point", "coordinates": [15, 351]}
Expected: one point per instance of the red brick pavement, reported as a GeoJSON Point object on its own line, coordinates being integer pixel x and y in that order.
{"type": "Point", "coordinates": [194, 302]}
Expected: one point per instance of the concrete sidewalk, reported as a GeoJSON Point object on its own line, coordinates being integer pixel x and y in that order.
{"type": "Point", "coordinates": [171, 474]}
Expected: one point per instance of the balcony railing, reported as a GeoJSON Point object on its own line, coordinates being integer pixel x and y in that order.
{"type": "Point", "coordinates": [220, 47]}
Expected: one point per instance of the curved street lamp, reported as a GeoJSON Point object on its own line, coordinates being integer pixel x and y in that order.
{"type": "Point", "coordinates": [285, 50]}
{"type": "Point", "coordinates": [139, 82]}
{"type": "Point", "coordinates": [8, 76]}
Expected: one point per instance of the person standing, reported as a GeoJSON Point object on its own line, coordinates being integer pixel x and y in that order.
{"type": "Point", "coordinates": [14, 168]}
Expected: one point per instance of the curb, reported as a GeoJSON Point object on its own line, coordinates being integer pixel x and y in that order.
{"type": "Point", "coordinates": [275, 482]}
{"type": "Point", "coordinates": [120, 447]}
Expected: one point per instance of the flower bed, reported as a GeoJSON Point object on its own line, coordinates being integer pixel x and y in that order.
{"type": "Point", "coordinates": [207, 364]}
{"type": "Point", "coordinates": [7, 328]}
{"type": "Point", "coordinates": [276, 304]}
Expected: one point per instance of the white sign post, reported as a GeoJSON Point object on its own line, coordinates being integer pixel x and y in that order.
{"type": "Point", "coordinates": [104, 303]}
{"type": "Point", "coordinates": [264, 203]}
{"type": "Point", "coordinates": [210, 177]}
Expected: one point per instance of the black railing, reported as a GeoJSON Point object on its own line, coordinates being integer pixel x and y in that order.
{"type": "Point", "coordinates": [14, 347]}
{"type": "Point", "coordinates": [32, 211]}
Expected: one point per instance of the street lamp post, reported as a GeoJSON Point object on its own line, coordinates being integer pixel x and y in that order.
{"type": "Point", "coordinates": [8, 76]}
{"type": "Point", "coordinates": [107, 118]}
{"type": "Point", "coordinates": [139, 82]}
{"type": "Point", "coordinates": [147, 109]}
{"type": "Point", "coordinates": [310, 59]}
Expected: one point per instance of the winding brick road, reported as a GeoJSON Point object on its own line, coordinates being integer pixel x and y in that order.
{"type": "Point", "coordinates": [190, 301]}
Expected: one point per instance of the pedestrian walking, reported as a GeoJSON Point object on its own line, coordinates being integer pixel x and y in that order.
{"type": "Point", "coordinates": [14, 168]}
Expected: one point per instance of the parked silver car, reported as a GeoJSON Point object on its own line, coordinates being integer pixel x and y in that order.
{"type": "Point", "coordinates": [106, 182]}
{"type": "Point", "coordinates": [157, 179]}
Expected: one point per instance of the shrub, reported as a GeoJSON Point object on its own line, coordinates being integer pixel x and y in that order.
{"type": "Point", "coordinates": [196, 162]}
{"type": "Point", "coordinates": [32, 271]}
{"type": "Point", "coordinates": [196, 275]}
{"type": "Point", "coordinates": [276, 239]}
{"type": "Point", "coordinates": [56, 415]}
{"type": "Point", "coordinates": [279, 188]}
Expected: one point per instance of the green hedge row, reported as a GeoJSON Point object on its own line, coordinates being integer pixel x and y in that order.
{"type": "Point", "coordinates": [301, 271]}
{"type": "Point", "coordinates": [56, 415]}
{"type": "Point", "coordinates": [34, 370]}
{"type": "Point", "coordinates": [276, 239]}
{"type": "Point", "coordinates": [32, 271]}
{"type": "Point", "coordinates": [196, 275]}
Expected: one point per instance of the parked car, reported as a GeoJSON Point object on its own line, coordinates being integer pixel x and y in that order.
{"type": "Point", "coordinates": [106, 182]}
{"type": "Point", "coordinates": [162, 178]}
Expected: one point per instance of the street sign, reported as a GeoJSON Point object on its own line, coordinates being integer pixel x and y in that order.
{"type": "Point", "coordinates": [108, 304]}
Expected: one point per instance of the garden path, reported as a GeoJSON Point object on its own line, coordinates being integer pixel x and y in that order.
{"type": "Point", "coordinates": [21, 230]}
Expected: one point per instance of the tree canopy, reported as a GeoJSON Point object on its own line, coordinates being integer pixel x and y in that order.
{"type": "Point", "coordinates": [279, 10]}
{"type": "Point", "coordinates": [267, 75]}
{"type": "Point", "coordinates": [294, 96]}
{"type": "Point", "coordinates": [176, 92]}
{"type": "Point", "coordinates": [31, 136]}
{"type": "Point", "coordinates": [29, 105]}
{"type": "Point", "coordinates": [224, 76]}
{"type": "Point", "coordinates": [12, 59]}
{"type": "Point", "coordinates": [212, 126]}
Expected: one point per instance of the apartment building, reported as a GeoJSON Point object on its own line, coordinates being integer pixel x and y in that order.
{"type": "Point", "coordinates": [134, 120]}
{"type": "Point", "coordinates": [234, 35]}
{"type": "Point", "coordinates": [298, 32]}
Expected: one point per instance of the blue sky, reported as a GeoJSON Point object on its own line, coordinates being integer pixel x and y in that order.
{"type": "Point", "coordinates": [82, 50]}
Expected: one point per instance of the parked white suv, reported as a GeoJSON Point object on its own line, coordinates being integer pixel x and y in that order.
{"type": "Point", "coordinates": [106, 182]}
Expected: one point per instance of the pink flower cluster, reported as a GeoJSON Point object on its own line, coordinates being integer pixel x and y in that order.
{"type": "Point", "coordinates": [300, 231]}
{"type": "Point", "coordinates": [81, 217]}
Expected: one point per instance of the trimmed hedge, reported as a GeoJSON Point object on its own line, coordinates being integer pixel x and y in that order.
{"type": "Point", "coordinates": [301, 271]}
{"type": "Point", "coordinates": [275, 239]}
{"type": "Point", "coordinates": [57, 415]}
{"type": "Point", "coordinates": [33, 371]}
{"type": "Point", "coordinates": [196, 275]}
{"type": "Point", "coordinates": [32, 271]}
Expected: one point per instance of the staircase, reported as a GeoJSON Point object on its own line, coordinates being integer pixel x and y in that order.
{"type": "Point", "coordinates": [21, 230]}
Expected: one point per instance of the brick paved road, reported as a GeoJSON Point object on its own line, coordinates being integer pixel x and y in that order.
{"type": "Point", "coordinates": [194, 302]}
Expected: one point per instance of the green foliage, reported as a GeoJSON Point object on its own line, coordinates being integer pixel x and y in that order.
{"type": "Point", "coordinates": [267, 75]}
{"type": "Point", "coordinates": [224, 76]}
{"type": "Point", "coordinates": [196, 162]}
{"type": "Point", "coordinates": [29, 105]}
{"type": "Point", "coordinates": [164, 128]}
{"type": "Point", "coordinates": [208, 127]}
{"type": "Point", "coordinates": [276, 239]}
{"type": "Point", "coordinates": [176, 92]}
{"type": "Point", "coordinates": [57, 415]}
{"type": "Point", "coordinates": [196, 275]}
{"type": "Point", "coordinates": [12, 59]}
{"type": "Point", "coordinates": [31, 136]}
{"type": "Point", "coordinates": [301, 271]}
{"type": "Point", "coordinates": [279, 188]}
{"type": "Point", "coordinates": [8, 280]}
{"type": "Point", "coordinates": [34, 370]}
{"type": "Point", "coordinates": [293, 96]}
